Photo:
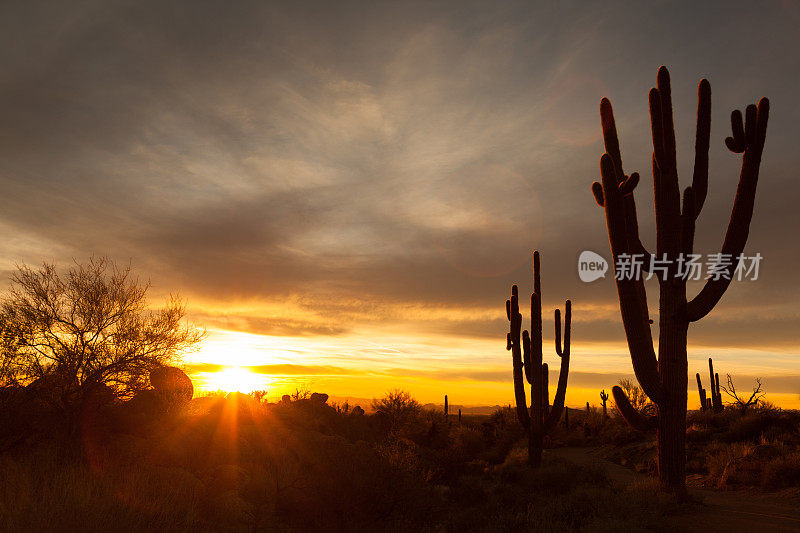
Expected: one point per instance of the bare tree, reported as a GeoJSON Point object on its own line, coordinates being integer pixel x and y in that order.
{"type": "Point", "coordinates": [637, 397]}
{"type": "Point", "coordinates": [739, 401]}
{"type": "Point", "coordinates": [85, 330]}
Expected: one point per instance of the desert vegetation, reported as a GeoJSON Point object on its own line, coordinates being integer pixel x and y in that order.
{"type": "Point", "coordinates": [237, 462]}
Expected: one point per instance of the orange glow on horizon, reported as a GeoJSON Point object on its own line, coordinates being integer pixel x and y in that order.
{"type": "Point", "coordinates": [471, 371]}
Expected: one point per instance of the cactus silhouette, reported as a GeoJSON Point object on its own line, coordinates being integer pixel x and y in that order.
{"type": "Point", "coordinates": [664, 379]}
{"type": "Point", "coordinates": [715, 401]}
{"type": "Point", "coordinates": [604, 398]}
{"type": "Point", "coordinates": [446, 407]}
{"type": "Point", "coordinates": [526, 354]}
{"type": "Point", "coordinates": [701, 392]}
{"type": "Point", "coordinates": [716, 396]}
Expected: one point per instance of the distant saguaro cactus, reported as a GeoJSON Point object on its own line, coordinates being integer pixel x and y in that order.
{"type": "Point", "coordinates": [702, 393]}
{"type": "Point", "coordinates": [526, 353]}
{"type": "Point", "coordinates": [445, 405]}
{"type": "Point", "coordinates": [604, 398]}
{"type": "Point", "coordinates": [172, 385]}
{"type": "Point", "coordinates": [664, 379]}
{"type": "Point", "coordinates": [716, 396]}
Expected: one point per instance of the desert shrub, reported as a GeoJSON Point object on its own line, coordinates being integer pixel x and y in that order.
{"type": "Point", "coordinates": [782, 472]}
{"type": "Point", "coordinates": [731, 465]}
{"type": "Point", "coordinates": [399, 414]}
{"type": "Point", "coordinates": [501, 433]}
{"type": "Point", "coordinates": [746, 428]}
{"type": "Point", "coordinates": [467, 442]}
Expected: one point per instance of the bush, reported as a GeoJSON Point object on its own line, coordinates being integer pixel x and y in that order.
{"type": "Point", "coordinates": [782, 472]}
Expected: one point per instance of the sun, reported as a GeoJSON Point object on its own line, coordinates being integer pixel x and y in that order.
{"type": "Point", "coordinates": [234, 379]}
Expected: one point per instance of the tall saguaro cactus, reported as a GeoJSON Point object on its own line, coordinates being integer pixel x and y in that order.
{"type": "Point", "coordinates": [664, 379]}
{"type": "Point", "coordinates": [526, 355]}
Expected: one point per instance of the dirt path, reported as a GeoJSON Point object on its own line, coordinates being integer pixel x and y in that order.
{"type": "Point", "coordinates": [721, 510]}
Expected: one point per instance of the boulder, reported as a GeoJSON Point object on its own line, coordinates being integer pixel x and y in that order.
{"type": "Point", "coordinates": [172, 385]}
{"type": "Point", "coordinates": [319, 397]}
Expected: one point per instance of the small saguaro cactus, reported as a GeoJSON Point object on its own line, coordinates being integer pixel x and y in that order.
{"type": "Point", "coordinates": [588, 409]}
{"type": "Point", "coordinates": [459, 417]}
{"type": "Point", "coordinates": [665, 379]}
{"type": "Point", "coordinates": [604, 398]}
{"type": "Point", "coordinates": [526, 355]}
{"type": "Point", "coordinates": [715, 401]}
{"type": "Point", "coordinates": [446, 408]}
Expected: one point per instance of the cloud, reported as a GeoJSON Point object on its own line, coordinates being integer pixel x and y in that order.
{"type": "Point", "coordinates": [364, 172]}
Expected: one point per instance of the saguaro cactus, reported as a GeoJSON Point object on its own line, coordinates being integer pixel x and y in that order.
{"type": "Point", "coordinates": [604, 398]}
{"type": "Point", "coordinates": [716, 396]}
{"type": "Point", "coordinates": [664, 379]}
{"type": "Point", "coordinates": [702, 392]}
{"type": "Point", "coordinates": [526, 354]}
{"type": "Point", "coordinates": [715, 401]}
{"type": "Point", "coordinates": [446, 408]}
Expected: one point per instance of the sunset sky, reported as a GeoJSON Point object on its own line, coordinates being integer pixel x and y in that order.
{"type": "Point", "coordinates": [344, 192]}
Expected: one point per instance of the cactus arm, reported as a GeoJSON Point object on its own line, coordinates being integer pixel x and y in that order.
{"type": "Point", "coordinates": [714, 401]}
{"type": "Point", "coordinates": [742, 213]}
{"type": "Point", "coordinates": [597, 191]}
{"type": "Point", "coordinates": [561, 390]}
{"type": "Point", "coordinates": [701, 144]}
{"type": "Point", "coordinates": [545, 389]}
{"type": "Point", "coordinates": [513, 344]}
{"type": "Point", "coordinates": [567, 327]}
{"type": "Point", "coordinates": [526, 356]}
{"type": "Point", "coordinates": [688, 217]}
{"type": "Point", "coordinates": [611, 143]}
{"type": "Point", "coordinates": [665, 175]}
{"type": "Point", "coordinates": [701, 392]}
{"type": "Point", "coordinates": [632, 298]}
{"type": "Point", "coordinates": [631, 415]}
